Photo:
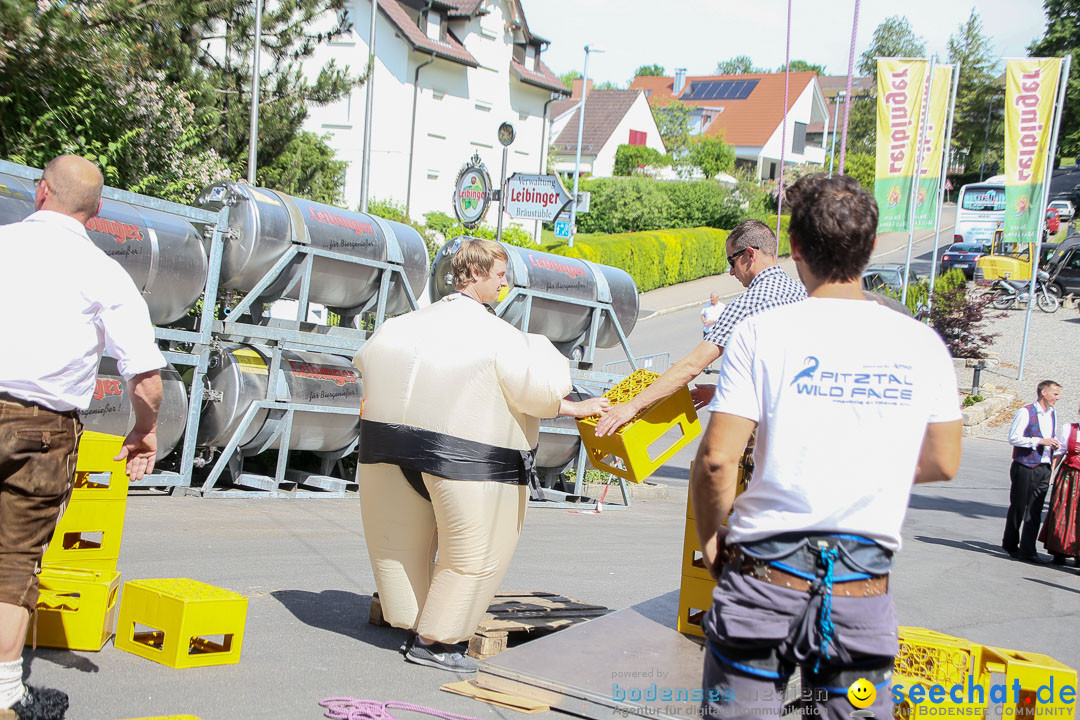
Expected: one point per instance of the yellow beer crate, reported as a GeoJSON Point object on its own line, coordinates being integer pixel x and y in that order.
{"type": "Point", "coordinates": [97, 475]}
{"type": "Point", "coordinates": [76, 608]}
{"type": "Point", "coordinates": [181, 623]}
{"type": "Point", "coordinates": [87, 536]}
{"type": "Point", "coordinates": [641, 446]}
{"type": "Point", "coordinates": [695, 597]}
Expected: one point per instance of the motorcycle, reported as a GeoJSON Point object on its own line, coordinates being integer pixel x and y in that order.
{"type": "Point", "coordinates": [1007, 293]}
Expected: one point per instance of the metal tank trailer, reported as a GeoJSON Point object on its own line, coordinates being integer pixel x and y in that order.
{"type": "Point", "coordinates": [579, 306]}
{"type": "Point", "coordinates": [263, 253]}
{"type": "Point", "coordinates": [258, 400]}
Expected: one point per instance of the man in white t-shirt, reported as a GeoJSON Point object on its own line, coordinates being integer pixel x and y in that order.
{"type": "Point", "coordinates": [711, 312]}
{"type": "Point", "coordinates": [852, 401]}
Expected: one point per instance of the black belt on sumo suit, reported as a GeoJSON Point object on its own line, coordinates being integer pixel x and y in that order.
{"type": "Point", "coordinates": [418, 451]}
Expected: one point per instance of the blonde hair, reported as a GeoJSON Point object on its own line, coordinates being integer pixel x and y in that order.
{"type": "Point", "coordinates": [475, 255]}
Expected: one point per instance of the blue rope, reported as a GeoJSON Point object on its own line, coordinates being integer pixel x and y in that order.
{"type": "Point", "coordinates": [827, 556]}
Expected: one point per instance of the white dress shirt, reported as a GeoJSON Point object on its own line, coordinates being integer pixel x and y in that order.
{"type": "Point", "coordinates": [63, 303]}
{"type": "Point", "coordinates": [1046, 430]}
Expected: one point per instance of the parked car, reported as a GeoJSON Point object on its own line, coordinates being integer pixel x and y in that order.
{"type": "Point", "coordinates": [877, 278]}
{"type": "Point", "coordinates": [1065, 209]}
{"type": "Point", "coordinates": [1053, 222]}
{"type": "Point", "coordinates": [1064, 267]}
{"type": "Point", "coordinates": [962, 256]}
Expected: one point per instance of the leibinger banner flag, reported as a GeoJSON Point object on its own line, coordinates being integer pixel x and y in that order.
{"type": "Point", "coordinates": [1030, 91]}
{"type": "Point", "coordinates": [900, 85]}
{"type": "Point", "coordinates": [933, 142]}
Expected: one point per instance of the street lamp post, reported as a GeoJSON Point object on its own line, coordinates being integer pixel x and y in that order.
{"type": "Point", "coordinates": [580, 129]}
{"type": "Point", "coordinates": [832, 153]}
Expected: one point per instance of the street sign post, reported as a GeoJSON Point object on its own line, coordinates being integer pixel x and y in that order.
{"type": "Point", "coordinates": [535, 197]}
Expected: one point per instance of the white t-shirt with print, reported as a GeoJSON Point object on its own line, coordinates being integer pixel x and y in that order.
{"type": "Point", "coordinates": [842, 391]}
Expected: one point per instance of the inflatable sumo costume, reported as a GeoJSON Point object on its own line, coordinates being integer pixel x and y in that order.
{"type": "Point", "coordinates": [452, 401]}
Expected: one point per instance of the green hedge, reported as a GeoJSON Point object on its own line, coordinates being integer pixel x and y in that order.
{"type": "Point", "coordinates": [658, 258]}
{"type": "Point", "coordinates": [919, 292]}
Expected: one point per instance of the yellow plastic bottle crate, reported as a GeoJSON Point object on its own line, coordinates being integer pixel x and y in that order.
{"type": "Point", "coordinates": [76, 609]}
{"type": "Point", "coordinates": [693, 562]}
{"type": "Point", "coordinates": [97, 475]}
{"type": "Point", "coordinates": [643, 444]}
{"type": "Point", "coordinates": [695, 597]}
{"type": "Point", "coordinates": [181, 623]}
{"type": "Point", "coordinates": [1033, 671]}
{"type": "Point", "coordinates": [88, 535]}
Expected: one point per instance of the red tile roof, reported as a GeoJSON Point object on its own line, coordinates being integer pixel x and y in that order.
{"type": "Point", "coordinates": [452, 49]}
{"type": "Point", "coordinates": [604, 110]}
{"type": "Point", "coordinates": [543, 78]}
{"type": "Point", "coordinates": [750, 122]}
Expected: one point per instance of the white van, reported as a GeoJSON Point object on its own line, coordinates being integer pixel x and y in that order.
{"type": "Point", "coordinates": [980, 210]}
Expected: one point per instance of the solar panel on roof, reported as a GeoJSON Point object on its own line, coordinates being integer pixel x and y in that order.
{"type": "Point", "coordinates": [720, 90]}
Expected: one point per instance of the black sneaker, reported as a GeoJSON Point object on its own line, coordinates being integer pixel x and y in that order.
{"type": "Point", "coordinates": [1057, 559]}
{"type": "Point", "coordinates": [441, 656]}
{"type": "Point", "coordinates": [41, 704]}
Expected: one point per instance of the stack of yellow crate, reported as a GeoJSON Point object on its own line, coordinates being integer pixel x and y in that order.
{"type": "Point", "coordinates": [695, 591]}
{"type": "Point", "coordinates": [651, 438]}
{"type": "Point", "coordinates": [79, 583]}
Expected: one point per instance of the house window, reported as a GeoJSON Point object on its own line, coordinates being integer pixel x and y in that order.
{"type": "Point", "coordinates": [798, 139]}
{"type": "Point", "coordinates": [637, 137]}
{"type": "Point", "coordinates": [532, 58]}
{"type": "Point", "coordinates": [434, 26]}
{"type": "Point", "coordinates": [519, 54]}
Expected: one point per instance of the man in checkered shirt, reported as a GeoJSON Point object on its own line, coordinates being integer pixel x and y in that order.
{"type": "Point", "coordinates": [752, 259]}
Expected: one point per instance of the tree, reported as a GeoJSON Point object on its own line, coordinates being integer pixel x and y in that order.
{"type": "Point", "coordinates": [712, 156]}
{"type": "Point", "coordinates": [1061, 37]}
{"type": "Point", "coordinates": [862, 125]}
{"type": "Point", "coordinates": [975, 94]}
{"type": "Point", "coordinates": [673, 122]}
{"type": "Point", "coordinates": [630, 159]}
{"type": "Point", "coordinates": [649, 71]}
{"type": "Point", "coordinates": [803, 66]}
{"type": "Point", "coordinates": [739, 65]}
{"type": "Point", "coordinates": [892, 38]}
{"type": "Point", "coordinates": [568, 78]}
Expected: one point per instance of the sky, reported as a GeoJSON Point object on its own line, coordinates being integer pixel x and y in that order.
{"type": "Point", "coordinates": [696, 34]}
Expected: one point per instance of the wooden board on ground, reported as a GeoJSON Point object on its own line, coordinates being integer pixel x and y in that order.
{"type": "Point", "coordinates": [517, 615]}
{"type": "Point", "coordinates": [493, 697]}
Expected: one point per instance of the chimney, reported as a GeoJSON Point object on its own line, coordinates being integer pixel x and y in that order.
{"type": "Point", "coordinates": [680, 80]}
{"type": "Point", "coordinates": [575, 91]}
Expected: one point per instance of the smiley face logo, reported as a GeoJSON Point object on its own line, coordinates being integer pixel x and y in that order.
{"type": "Point", "coordinates": [861, 694]}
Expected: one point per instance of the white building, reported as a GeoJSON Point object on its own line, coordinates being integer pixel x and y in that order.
{"type": "Point", "coordinates": [612, 118]}
{"type": "Point", "coordinates": [447, 74]}
{"type": "Point", "coordinates": [747, 112]}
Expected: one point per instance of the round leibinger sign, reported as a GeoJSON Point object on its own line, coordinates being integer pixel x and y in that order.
{"type": "Point", "coordinates": [472, 193]}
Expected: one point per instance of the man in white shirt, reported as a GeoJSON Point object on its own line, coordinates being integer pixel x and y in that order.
{"type": "Point", "coordinates": [63, 303]}
{"type": "Point", "coordinates": [852, 401]}
{"type": "Point", "coordinates": [1033, 436]}
{"type": "Point", "coordinates": [711, 312]}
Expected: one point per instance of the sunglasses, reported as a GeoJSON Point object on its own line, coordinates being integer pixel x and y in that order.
{"type": "Point", "coordinates": [732, 258]}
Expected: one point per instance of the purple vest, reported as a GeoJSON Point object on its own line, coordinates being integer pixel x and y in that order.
{"type": "Point", "coordinates": [1031, 457]}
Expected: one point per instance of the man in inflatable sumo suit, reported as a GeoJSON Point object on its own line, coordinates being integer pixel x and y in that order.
{"type": "Point", "coordinates": [453, 397]}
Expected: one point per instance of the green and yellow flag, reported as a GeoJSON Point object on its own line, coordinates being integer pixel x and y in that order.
{"type": "Point", "coordinates": [1030, 90]}
{"type": "Point", "coordinates": [900, 86]}
{"type": "Point", "coordinates": [930, 180]}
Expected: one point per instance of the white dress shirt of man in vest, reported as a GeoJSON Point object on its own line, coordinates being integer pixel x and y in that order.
{"type": "Point", "coordinates": [62, 303]}
{"type": "Point", "coordinates": [1033, 436]}
{"type": "Point", "coordinates": [752, 259]}
{"type": "Point", "coordinates": [803, 561]}
{"type": "Point", "coordinates": [453, 397]}
{"type": "Point", "coordinates": [711, 312]}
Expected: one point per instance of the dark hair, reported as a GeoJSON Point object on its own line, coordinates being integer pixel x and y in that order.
{"type": "Point", "coordinates": [834, 223]}
{"type": "Point", "coordinates": [755, 234]}
{"type": "Point", "coordinates": [1043, 385]}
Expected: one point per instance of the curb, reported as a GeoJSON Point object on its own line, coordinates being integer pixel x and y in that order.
{"type": "Point", "coordinates": [684, 306]}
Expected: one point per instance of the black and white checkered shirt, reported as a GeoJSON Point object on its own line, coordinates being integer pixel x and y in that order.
{"type": "Point", "coordinates": [771, 288]}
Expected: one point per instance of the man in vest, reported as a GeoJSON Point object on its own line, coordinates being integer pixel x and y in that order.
{"type": "Point", "coordinates": [1033, 437]}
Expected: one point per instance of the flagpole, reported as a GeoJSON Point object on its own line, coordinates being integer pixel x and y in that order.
{"type": "Point", "coordinates": [1062, 83]}
{"type": "Point", "coordinates": [919, 143]}
{"type": "Point", "coordinates": [941, 180]}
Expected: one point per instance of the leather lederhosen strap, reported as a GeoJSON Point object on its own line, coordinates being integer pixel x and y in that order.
{"type": "Point", "coordinates": [417, 451]}
{"type": "Point", "coordinates": [763, 571]}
